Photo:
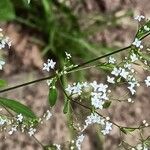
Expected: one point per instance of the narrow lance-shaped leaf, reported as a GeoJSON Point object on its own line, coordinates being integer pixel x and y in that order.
{"type": "Point", "coordinates": [52, 96]}
{"type": "Point", "coordinates": [66, 106]}
{"type": "Point", "coordinates": [17, 107]}
{"type": "Point", "coordinates": [127, 130]}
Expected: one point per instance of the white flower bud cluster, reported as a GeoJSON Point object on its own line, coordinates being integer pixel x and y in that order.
{"type": "Point", "coordinates": [79, 141]}
{"type": "Point", "coordinates": [97, 91]}
{"type": "Point", "coordinates": [95, 118]}
{"type": "Point", "coordinates": [4, 41]}
{"type": "Point", "coordinates": [140, 147]}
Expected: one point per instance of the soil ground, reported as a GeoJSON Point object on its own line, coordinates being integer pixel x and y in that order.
{"type": "Point", "coordinates": [25, 57]}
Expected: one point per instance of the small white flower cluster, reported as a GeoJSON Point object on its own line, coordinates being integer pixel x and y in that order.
{"type": "Point", "coordinates": [19, 122]}
{"type": "Point", "coordinates": [99, 95]}
{"type": "Point", "coordinates": [49, 82]}
{"type": "Point", "coordinates": [49, 65]}
{"type": "Point", "coordinates": [47, 115]}
{"type": "Point", "coordinates": [140, 147]}
{"type": "Point", "coordinates": [111, 60]}
{"type": "Point", "coordinates": [31, 131]}
{"type": "Point", "coordinates": [133, 57]}
{"type": "Point", "coordinates": [68, 55]}
{"type": "Point", "coordinates": [1, 64]}
{"type": "Point", "coordinates": [139, 17]}
{"type": "Point", "coordinates": [79, 141]}
{"type": "Point", "coordinates": [19, 118]}
{"type": "Point", "coordinates": [147, 81]}
{"type": "Point", "coordinates": [126, 72]}
{"type": "Point", "coordinates": [98, 92]}
{"type": "Point", "coordinates": [2, 121]}
{"type": "Point", "coordinates": [137, 43]}
{"type": "Point", "coordinates": [95, 118]}
{"type": "Point", "coordinates": [110, 79]}
{"type": "Point", "coordinates": [145, 123]}
{"type": "Point", "coordinates": [57, 146]}
{"type": "Point", "coordinates": [4, 40]}
{"type": "Point", "coordinates": [13, 129]}
{"type": "Point", "coordinates": [76, 88]}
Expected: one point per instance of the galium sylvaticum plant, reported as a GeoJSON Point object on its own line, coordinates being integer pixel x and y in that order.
{"type": "Point", "coordinates": [98, 94]}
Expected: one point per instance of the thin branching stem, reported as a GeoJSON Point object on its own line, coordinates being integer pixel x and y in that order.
{"type": "Point", "coordinates": [69, 70]}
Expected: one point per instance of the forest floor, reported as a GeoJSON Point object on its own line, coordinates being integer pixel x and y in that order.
{"type": "Point", "coordinates": [24, 63]}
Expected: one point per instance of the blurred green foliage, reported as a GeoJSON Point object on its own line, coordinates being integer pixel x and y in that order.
{"type": "Point", "coordinates": [60, 27]}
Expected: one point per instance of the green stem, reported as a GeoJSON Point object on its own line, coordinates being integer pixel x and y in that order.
{"type": "Point", "coordinates": [38, 141]}
{"type": "Point", "coordinates": [27, 83]}
{"type": "Point", "coordinates": [69, 70]}
{"type": "Point", "coordinates": [98, 58]}
{"type": "Point", "coordinates": [80, 104]}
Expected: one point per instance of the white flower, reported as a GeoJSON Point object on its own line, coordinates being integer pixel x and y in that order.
{"type": "Point", "coordinates": [97, 103]}
{"type": "Point", "coordinates": [133, 57]}
{"type": "Point", "coordinates": [49, 82]}
{"type": "Point", "coordinates": [146, 28]}
{"type": "Point", "coordinates": [111, 60]}
{"type": "Point", "coordinates": [124, 73]}
{"type": "Point", "coordinates": [115, 71]}
{"type": "Point", "coordinates": [46, 67]}
{"type": "Point", "coordinates": [76, 89]}
{"type": "Point", "coordinates": [49, 65]}
{"type": "Point", "coordinates": [141, 147]}
{"type": "Point", "coordinates": [139, 17]}
{"type": "Point", "coordinates": [92, 119]}
{"type": "Point", "coordinates": [13, 129]}
{"type": "Point", "coordinates": [133, 83]}
{"type": "Point", "coordinates": [68, 55]}
{"type": "Point", "coordinates": [57, 146]}
{"type": "Point", "coordinates": [108, 128]}
{"type": "Point", "coordinates": [19, 118]}
{"type": "Point", "coordinates": [137, 43]}
{"type": "Point", "coordinates": [127, 65]}
{"type": "Point", "coordinates": [132, 90]}
{"type": "Point", "coordinates": [79, 141]}
{"type": "Point", "coordinates": [69, 89]}
{"type": "Point", "coordinates": [94, 85]}
{"type": "Point", "coordinates": [31, 131]}
{"type": "Point", "coordinates": [147, 81]}
{"type": "Point", "coordinates": [2, 121]}
{"type": "Point", "coordinates": [47, 115]}
{"type": "Point", "coordinates": [102, 87]}
{"type": "Point", "coordinates": [1, 64]}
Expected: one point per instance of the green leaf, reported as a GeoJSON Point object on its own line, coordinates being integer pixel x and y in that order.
{"type": "Point", "coordinates": [6, 10]}
{"type": "Point", "coordinates": [2, 83]}
{"type": "Point", "coordinates": [147, 142]}
{"type": "Point", "coordinates": [66, 106]}
{"type": "Point", "coordinates": [50, 147]}
{"type": "Point", "coordinates": [52, 96]}
{"type": "Point", "coordinates": [106, 67]}
{"type": "Point", "coordinates": [127, 130]}
{"type": "Point", "coordinates": [145, 56]}
{"type": "Point", "coordinates": [142, 32]}
{"type": "Point", "coordinates": [17, 107]}
{"type": "Point", "coordinates": [106, 104]}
